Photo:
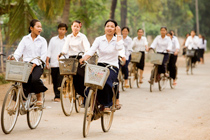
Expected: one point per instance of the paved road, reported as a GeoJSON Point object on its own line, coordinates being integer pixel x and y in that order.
{"type": "Point", "coordinates": [179, 114]}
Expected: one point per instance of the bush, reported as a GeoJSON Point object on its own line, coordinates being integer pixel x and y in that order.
{"type": "Point", "coordinates": [2, 79]}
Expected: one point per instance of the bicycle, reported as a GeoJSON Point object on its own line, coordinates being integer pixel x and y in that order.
{"type": "Point", "coordinates": [15, 102]}
{"type": "Point", "coordinates": [121, 75]}
{"type": "Point", "coordinates": [135, 58]}
{"type": "Point", "coordinates": [68, 68]}
{"type": "Point", "coordinates": [162, 79]}
{"type": "Point", "coordinates": [171, 79]}
{"type": "Point", "coordinates": [190, 54]}
{"type": "Point", "coordinates": [95, 78]}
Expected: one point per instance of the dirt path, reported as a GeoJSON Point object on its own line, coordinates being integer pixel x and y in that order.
{"type": "Point", "coordinates": [179, 114]}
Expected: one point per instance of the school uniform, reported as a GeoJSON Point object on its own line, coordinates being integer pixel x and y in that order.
{"type": "Point", "coordinates": [202, 47]}
{"type": "Point", "coordinates": [127, 52]}
{"type": "Point", "coordinates": [192, 44]}
{"type": "Point", "coordinates": [29, 49]}
{"type": "Point", "coordinates": [72, 46]}
{"type": "Point", "coordinates": [139, 45]}
{"type": "Point", "coordinates": [54, 49]}
{"type": "Point", "coordinates": [173, 58]}
{"type": "Point", "coordinates": [107, 55]}
{"type": "Point", "coordinates": [162, 45]}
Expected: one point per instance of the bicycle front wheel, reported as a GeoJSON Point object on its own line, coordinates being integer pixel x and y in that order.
{"type": "Point", "coordinates": [162, 82]}
{"type": "Point", "coordinates": [137, 77]}
{"type": "Point", "coordinates": [66, 95]}
{"type": "Point", "coordinates": [34, 113]}
{"type": "Point", "coordinates": [88, 116]}
{"type": "Point", "coordinates": [10, 110]}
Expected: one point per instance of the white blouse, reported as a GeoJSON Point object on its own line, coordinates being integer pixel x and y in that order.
{"type": "Point", "coordinates": [139, 45]}
{"type": "Point", "coordinates": [162, 44]}
{"type": "Point", "coordinates": [192, 42]}
{"type": "Point", "coordinates": [30, 49]}
{"type": "Point", "coordinates": [202, 45]}
{"type": "Point", "coordinates": [127, 46]}
{"type": "Point", "coordinates": [54, 49]}
{"type": "Point", "coordinates": [107, 51]}
{"type": "Point", "coordinates": [175, 44]}
{"type": "Point", "coordinates": [76, 44]}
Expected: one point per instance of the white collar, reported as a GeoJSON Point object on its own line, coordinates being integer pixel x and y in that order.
{"type": "Point", "coordinates": [113, 38]}
{"type": "Point", "coordinates": [72, 35]}
{"type": "Point", "coordinates": [29, 36]}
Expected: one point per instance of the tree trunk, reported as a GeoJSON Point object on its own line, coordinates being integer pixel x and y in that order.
{"type": "Point", "coordinates": [66, 9]}
{"type": "Point", "coordinates": [113, 7]}
{"type": "Point", "coordinates": [123, 11]}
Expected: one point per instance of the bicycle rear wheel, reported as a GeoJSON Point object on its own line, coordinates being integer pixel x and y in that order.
{"type": "Point", "coordinates": [34, 113]}
{"type": "Point", "coordinates": [66, 95]}
{"type": "Point", "coordinates": [78, 102]}
{"type": "Point", "coordinates": [10, 110]}
{"type": "Point", "coordinates": [88, 116]}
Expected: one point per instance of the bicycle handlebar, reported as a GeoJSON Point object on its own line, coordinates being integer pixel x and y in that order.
{"type": "Point", "coordinates": [62, 54]}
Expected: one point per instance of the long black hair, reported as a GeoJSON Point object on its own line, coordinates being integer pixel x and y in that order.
{"type": "Point", "coordinates": [32, 24]}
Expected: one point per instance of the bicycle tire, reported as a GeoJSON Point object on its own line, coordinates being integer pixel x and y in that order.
{"type": "Point", "coordinates": [137, 78]}
{"type": "Point", "coordinates": [191, 68]}
{"type": "Point", "coordinates": [12, 96]}
{"type": "Point", "coordinates": [153, 73]}
{"type": "Point", "coordinates": [34, 113]}
{"type": "Point", "coordinates": [107, 118]}
{"type": "Point", "coordinates": [89, 108]}
{"type": "Point", "coordinates": [162, 83]}
{"type": "Point", "coordinates": [66, 96]}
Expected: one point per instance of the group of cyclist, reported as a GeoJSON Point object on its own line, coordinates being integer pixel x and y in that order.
{"type": "Point", "coordinates": [114, 43]}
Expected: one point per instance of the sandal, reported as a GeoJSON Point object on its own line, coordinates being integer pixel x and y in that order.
{"type": "Point", "coordinates": [39, 103]}
{"type": "Point", "coordinates": [140, 82]}
{"type": "Point", "coordinates": [126, 86]}
{"type": "Point", "coordinates": [107, 110]}
{"type": "Point", "coordinates": [174, 83]}
{"type": "Point", "coordinates": [118, 106]}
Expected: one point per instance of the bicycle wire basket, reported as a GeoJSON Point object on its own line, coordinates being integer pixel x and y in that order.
{"type": "Point", "coordinates": [68, 66]}
{"type": "Point", "coordinates": [96, 76]}
{"type": "Point", "coordinates": [156, 58]}
{"type": "Point", "coordinates": [18, 71]}
{"type": "Point", "coordinates": [190, 53]}
{"type": "Point", "coordinates": [135, 57]}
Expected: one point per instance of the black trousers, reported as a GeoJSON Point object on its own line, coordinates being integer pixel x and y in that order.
{"type": "Point", "coordinates": [172, 66]}
{"type": "Point", "coordinates": [125, 68]}
{"type": "Point", "coordinates": [162, 68]}
{"type": "Point", "coordinates": [56, 80]}
{"type": "Point", "coordinates": [78, 79]}
{"type": "Point", "coordinates": [34, 84]}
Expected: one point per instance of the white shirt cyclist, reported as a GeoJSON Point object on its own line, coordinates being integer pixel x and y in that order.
{"type": "Point", "coordinates": [192, 42]}
{"type": "Point", "coordinates": [107, 51]}
{"type": "Point", "coordinates": [162, 44]}
{"type": "Point", "coordinates": [75, 44]}
{"type": "Point", "coordinates": [30, 49]}
{"type": "Point", "coordinates": [139, 45]}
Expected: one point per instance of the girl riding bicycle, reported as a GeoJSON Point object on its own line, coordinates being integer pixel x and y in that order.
{"type": "Point", "coordinates": [107, 46]}
{"type": "Point", "coordinates": [163, 45]}
{"type": "Point", "coordinates": [140, 44]}
{"type": "Point", "coordinates": [75, 43]}
{"type": "Point", "coordinates": [31, 46]}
